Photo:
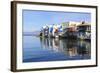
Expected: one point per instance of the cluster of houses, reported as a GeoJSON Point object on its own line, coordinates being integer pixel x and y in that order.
{"type": "Point", "coordinates": [81, 30]}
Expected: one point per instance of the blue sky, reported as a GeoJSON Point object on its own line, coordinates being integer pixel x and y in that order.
{"type": "Point", "coordinates": [34, 20]}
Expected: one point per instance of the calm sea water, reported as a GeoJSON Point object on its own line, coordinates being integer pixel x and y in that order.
{"type": "Point", "coordinates": [36, 49]}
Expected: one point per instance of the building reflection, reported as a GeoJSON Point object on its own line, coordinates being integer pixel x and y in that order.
{"type": "Point", "coordinates": [69, 47]}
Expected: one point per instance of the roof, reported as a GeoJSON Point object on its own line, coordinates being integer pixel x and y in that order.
{"type": "Point", "coordinates": [86, 24]}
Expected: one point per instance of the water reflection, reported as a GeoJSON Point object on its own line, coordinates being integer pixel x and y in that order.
{"type": "Point", "coordinates": [67, 46]}
{"type": "Point", "coordinates": [36, 49]}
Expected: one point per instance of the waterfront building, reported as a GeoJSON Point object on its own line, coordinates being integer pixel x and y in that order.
{"type": "Point", "coordinates": [51, 30]}
{"type": "Point", "coordinates": [69, 29]}
{"type": "Point", "coordinates": [65, 25]}
{"type": "Point", "coordinates": [84, 31]}
{"type": "Point", "coordinates": [45, 31]}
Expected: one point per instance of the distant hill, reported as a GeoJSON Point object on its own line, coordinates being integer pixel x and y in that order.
{"type": "Point", "coordinates": [35, 33]}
